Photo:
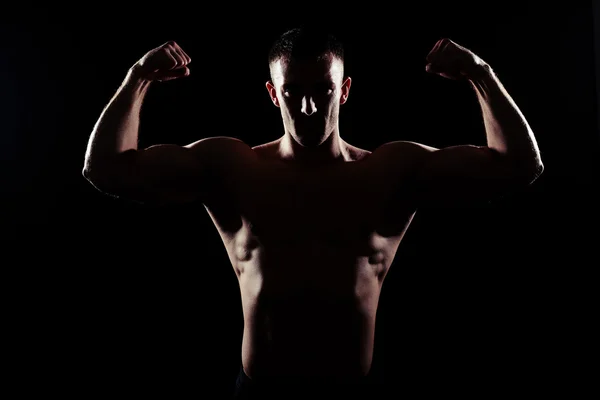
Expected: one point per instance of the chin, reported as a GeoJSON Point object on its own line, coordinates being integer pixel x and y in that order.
{"type": "Point", "coordinates": [311, 143]}
{"type": "Point", "coordinates": [311, 140]}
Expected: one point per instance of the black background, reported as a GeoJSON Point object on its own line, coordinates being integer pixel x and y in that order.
{"type": "Point", "coordinates": [104, 295]}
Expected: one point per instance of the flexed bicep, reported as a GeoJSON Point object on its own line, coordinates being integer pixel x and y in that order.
{"type": "Point", "coordinates": [166, 173]}
{"type": "Point", "coordinates": [462, 173]}
{"type": "Point", "coordinates": [448, 176]}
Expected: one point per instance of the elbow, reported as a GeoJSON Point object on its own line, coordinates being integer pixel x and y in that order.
{"type": "Point", "coordinates": [536, 169]}
{"type": "Point", "coordinates": [89, 172]}
{"type": "Point", "coordinates": [97, 176]}
{"type": "Point", "coordinates": [530, 172]}
{"type": "Point", "coordinates": [93, 179]}
{"type": "Point", "coordinates": [106, 177]}
{"type": "Point", "coordinates": [539, 169]}
{"type": "Point", "coordinates": [100, 171]}
{"type": "Point", "coordinates": [85, 172]}
{"type": "Point", "coordinates": [86, 169]}
{"type": "Point", "coordinates": [522, 171]}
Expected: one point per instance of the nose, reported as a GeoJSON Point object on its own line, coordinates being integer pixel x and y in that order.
{"type": "Point", "coordinates": [308, 105]}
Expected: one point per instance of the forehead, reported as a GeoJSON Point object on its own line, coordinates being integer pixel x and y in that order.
{"type": "Point", "coordinates": [327, 68]}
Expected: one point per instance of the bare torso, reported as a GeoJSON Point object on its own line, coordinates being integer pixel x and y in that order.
{"type": "Point", "coordinates": [311, 248]}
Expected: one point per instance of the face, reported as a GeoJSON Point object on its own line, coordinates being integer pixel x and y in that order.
{"type": "Point", "coordinates": [309, 94]}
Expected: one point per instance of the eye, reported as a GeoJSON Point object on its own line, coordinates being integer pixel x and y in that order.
{"type": "Point", "coordinates": [289, 90]}
{"type": "Point", "coordinates": [325, 89]}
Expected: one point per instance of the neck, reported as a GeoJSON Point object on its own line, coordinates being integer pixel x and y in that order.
{"type": "Point", "coordinates": [332, 151]}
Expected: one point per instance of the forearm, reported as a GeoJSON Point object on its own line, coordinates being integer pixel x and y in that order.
{"type": "Point", "coordinates": [507, 130]}
{"type": "Point", "coordinates": [116, 131]}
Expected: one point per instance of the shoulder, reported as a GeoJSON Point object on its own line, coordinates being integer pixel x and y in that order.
{"type": "Point", "coordinates": [404, 147]}
{"type": "Point", "coordinates": [222, 152]}
{"type": "Point", "coordinates": [402, 152]}
{"type": "Point", "coordinates": [218, 142]}
{"type": "Point", "coordinates": [220, 146]}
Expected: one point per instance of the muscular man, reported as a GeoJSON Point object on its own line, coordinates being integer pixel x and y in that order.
{"type": "Point", "coordinates": [310, 222]}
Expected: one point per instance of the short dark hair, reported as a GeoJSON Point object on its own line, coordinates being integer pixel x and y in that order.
{"type": "Point", "coordinates": [305, 43]}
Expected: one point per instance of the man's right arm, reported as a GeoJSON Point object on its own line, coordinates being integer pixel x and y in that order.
{"type": "Point", "coordinates": [164, 173]}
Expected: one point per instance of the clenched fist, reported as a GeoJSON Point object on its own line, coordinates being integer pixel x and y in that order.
{"type": "Point", "coordinates": [454, 61]}
{"type": "Point", "coordinates": [163, 63]}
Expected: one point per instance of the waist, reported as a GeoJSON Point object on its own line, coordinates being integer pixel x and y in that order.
{"type": "Point", "coordinates": [335, 387]}
{"type": "Point", "coordinates": [311, 362]}
{"type": "Point", "coordinates": [291, 376]}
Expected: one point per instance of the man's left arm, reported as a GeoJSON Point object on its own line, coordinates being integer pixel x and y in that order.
{"type": "Point", "coordinates": [511, 157]}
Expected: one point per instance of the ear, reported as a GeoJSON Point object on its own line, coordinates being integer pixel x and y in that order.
{"type": "Point", "coordinates": [272, 93]}
{"type": "Point", "coordinates": [345, 90]}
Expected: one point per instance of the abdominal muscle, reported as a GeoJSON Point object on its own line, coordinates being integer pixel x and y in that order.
{"type": "Point", "coordinates": [302, 321]}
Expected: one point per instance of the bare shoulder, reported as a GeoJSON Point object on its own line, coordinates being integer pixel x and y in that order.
{"type": "Point", "coordinates": [218, 142]}
{"type": "Point", "coordinates": [403, 147]}
{"type": "Point", "coordinates": [399, 158]}
{"type": "Point", "coordinates": [402, 151]}
{"type": "Point", "coordinates": [221, 149]}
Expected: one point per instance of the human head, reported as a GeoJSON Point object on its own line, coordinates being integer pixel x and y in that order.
{"type": "Point", "coordinates": [308, 83]}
